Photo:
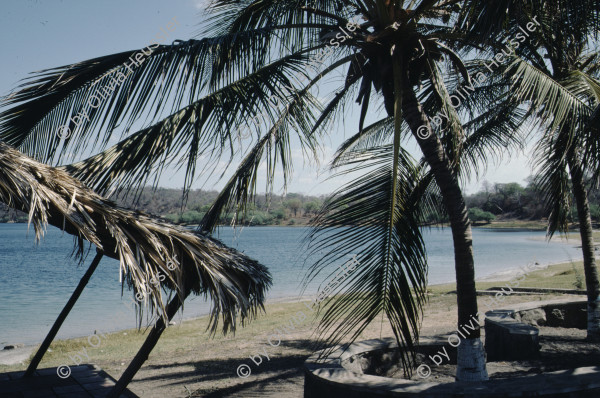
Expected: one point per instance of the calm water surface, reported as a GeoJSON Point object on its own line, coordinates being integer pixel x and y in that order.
{"type": "Point", "coordinates": [37, 280]}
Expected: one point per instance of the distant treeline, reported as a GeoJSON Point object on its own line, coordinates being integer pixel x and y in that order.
{"type": "Point", "coordinates": [513, 201]}
{"type": "Point", "coordinates": [504, 201]}
{"type": "Point", "coordinates": [291, 209]}
{"type": "Point", "coordinates": [510, 201]}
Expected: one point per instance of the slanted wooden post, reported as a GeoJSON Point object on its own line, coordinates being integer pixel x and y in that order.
{"type": "Point", "coordinates": [62, 316]}
{"type": "Point", "coordinates": [147, 347]}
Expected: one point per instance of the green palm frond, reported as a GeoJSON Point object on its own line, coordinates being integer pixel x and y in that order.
{"type": "Point", "coordinates": [583, 85]}
{"type": "Point", "coordinates": [547, 85]}
{"type": "Point", "coordinates": [122, 93]}
{"type": "Point", "coordinates": [490, 137]}
{"type": "Point", "coordinates": [392, 273]}
{"type": "Point", "coordinates": [241, 187]}
{"type": "Point", "coordinates": [554, 105]}
{"type": "Point", "coordinates": [207, 126]}
{"type": "Point", "coordinates": [552, 179]}
{"type": "Point", "coordinates": [291, 26]}
{"type": "Point", "coordinates": [183, 73]}
{"type": "Point", "coordinates": [378, 133]}
{"type": "Point", "coordinates": [486, 21]}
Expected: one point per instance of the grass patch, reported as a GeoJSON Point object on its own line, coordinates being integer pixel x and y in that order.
{"type": "Point", "coordinates": [120, 347]}
{"type": "Point", "coordinates": [516, 224]}
{"type": "Point", "coordinates": [559, 276]}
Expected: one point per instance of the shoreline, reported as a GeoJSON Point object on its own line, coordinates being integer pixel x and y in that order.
{"type": "Point", "coordinates": [508, 274]}
{"type": "Point", "coordinates": [186, 350]}
{"type": "Point", "coordinates": [19, 355]}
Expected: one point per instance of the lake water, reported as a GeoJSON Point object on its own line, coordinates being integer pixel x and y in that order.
{"type": "Point", "coordinates": [37, 280]}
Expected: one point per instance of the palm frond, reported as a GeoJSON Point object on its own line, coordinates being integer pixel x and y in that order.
{"type": "Point", "coordinates": [552, 179]}
{"type": "Point", "coordinates": [487, 20]}
{"type": "Point", "coordinates": [392, 273]}
{"type": "Point", "coordinates": [103, 92]}
{"type": "Point", "coordinates": [554, 105]}
{"type": "Point", "coordinates": [583, 85]}
{"type": "Point", "coordinates": [491, 135]}
{"type": "Point", "coordinates": [85, 98]}
{"type": "Point", "coordinates": [371, 136]}
{"type": "Point", "coordinates": [145, 247]}
{"type": "Point", "coordinates": [241, 187]}
{"type": "Point", "coordinates": [208, 126]}
{"type": "Point", "coordinates": [292, 25]}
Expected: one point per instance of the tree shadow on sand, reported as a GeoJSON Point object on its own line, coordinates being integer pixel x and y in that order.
{"type": "Point", "coordinates": [281, 375]}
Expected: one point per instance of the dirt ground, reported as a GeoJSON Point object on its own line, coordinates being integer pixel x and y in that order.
{"type": "Point", "coordinates": [186, 362]}
{"type": "Point", "coordinates": [560, 349]}
{"type": "Point", "coordinates": [209, 370]}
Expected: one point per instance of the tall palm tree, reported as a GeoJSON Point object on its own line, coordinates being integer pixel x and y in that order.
{"type": "Point", "coordinates": [198, 94]}
{"type": "Point", "coordinates": [555, 74]}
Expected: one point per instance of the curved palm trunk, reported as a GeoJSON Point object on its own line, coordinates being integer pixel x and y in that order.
{"type": "Point", "coordinates": [144, 352]}
{"type": "Point", "coordinates": [587, 246]}
{"type": "Point", "coordinates": [471, 354]}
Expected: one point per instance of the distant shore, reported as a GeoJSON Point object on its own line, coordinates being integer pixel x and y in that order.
{"type": "Point", "coordinates": [535, 225]}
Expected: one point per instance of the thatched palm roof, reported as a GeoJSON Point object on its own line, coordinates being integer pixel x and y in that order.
{"type": "Point", "coordinates": [143, 245]}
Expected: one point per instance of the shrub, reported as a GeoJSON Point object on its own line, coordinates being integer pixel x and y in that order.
{"type": "Point", "coordinates": [476, 214]}
{"type": "Point", "coordinates": [191, 217]}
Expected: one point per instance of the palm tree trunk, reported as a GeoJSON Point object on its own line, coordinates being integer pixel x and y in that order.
{"type": "Point", "coordinates": [63, 315]}
{"type": "Point", "coordinates": [587, 246]}
{"type": "Point", "coordinates": [147, 347]}
{"type": "Point", "coordinates": [471, 354]}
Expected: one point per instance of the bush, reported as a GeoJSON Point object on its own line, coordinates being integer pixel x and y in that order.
{"type": "Point", "coordinates": [174, 218]}
{"type": "Point", "coordinates": [476, 214]}
{"type": "Point", "coordinates": [279, 214]}
{"type": "Point", "coordinates": [259, 218]}
{"type": "Point", "coordinates": [191, 217]}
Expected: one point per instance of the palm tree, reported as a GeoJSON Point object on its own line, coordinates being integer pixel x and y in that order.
{"type": "Point", "coordinates": [555, 73]}
{"type": "Point", "coordinates": [199, 94]}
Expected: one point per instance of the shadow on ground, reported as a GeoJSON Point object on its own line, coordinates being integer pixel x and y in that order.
{"type": "Point", "coordinates": [280, 376]}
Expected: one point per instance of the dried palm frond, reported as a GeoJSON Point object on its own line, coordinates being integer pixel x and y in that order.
{"type": "Point", "coordinates": [146, 247]}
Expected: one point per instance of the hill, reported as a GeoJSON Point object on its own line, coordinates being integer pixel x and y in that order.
{"type": "Point", "coordinates": [504, 204]}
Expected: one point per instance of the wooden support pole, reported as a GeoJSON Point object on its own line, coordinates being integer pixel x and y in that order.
{"type": "Point", "coordinates": [63, 315]}
{"type": "Point", "coordinates": [146, 349]}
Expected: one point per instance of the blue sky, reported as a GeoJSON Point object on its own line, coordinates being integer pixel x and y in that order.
{"type": "Point", "coordinates": [40, 34]}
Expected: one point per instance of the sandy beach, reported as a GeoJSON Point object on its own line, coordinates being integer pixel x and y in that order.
{"type": "Point", "coordinates": [16, 355]}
